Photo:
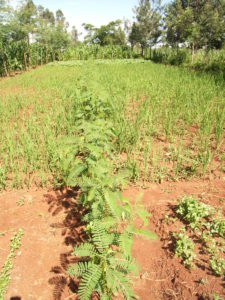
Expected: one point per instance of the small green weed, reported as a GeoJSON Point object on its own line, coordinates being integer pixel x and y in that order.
{"type": "Point", "coordinates": [217, 297]}
{"type": "Point", "coordinates": [184, 248]}
{"type": "Point", "coordinates": [15, 244]}
{"type": "Point", "coordinates": [21, 201]}
{"type": "Point", "coordinates": [217, 265]}
{"type": "Point", "coordinates": [207, 225]}
{"type": "Point", "coordinates": [192, 211]}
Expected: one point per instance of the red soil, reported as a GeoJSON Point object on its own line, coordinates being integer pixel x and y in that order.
{"type": "Point", "coordinates": [52, 226]}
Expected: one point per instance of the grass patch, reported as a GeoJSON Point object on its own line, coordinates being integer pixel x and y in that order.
{"type": "Point", "coordinates": [169, 122]}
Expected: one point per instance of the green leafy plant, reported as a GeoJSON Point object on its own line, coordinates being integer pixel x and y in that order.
{"type": "Point", "coordinates": [217, 297]}
{"type": "Point", "coordinates": [217, 265]}
{"type": "Point", "coordinates": [102, 269]}
{"type": "Point", "coordinates": [184, 248]}
{"type": "Point", "coordinates": [192, 211]}
{"type": "Point", "coordinates": [15, 244]}
{"type": "Point", "coordinates": [217, 226]}
{"type": "Point", "coordinates": [106, 261]}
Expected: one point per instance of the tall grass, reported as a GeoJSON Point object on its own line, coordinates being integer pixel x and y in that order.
{"type": "Point", "coordinates": [169, 122]}
{"type": "Point", "coordinates": [212, 61]}
{"type": "Point", "coordinates": [85, 52]}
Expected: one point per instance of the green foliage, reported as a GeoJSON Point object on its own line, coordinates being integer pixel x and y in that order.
{"type": "Point", "coordinates": [198, 24]}
{"type": "Point", "coordinates": [192, 211]}
{"type": "Point", "coordinates": [109, 218]}
{"type": "Point", "coordinates": [91, 52]}
{"type": "Point", "coordinates": [16, 50]}
{"type": "Point", "coordinates": [102, 266]}
{"type": "Point", "coordinates": [184, 248]}
{"type": "Point", "coordinates": [40, 108]}
{"type": "Point", "coordinates": [217, 226]}
{"type": "Point", "coordinates": [147, 28]}
{"type": "Point", "coordinates": [212, 61]}
{"type": "Point", "coordinates": [208, 225]}
{"type": "Point", "coordinates": [15, 244]}
{"type": "Point", "coordinates": [110, 34]}
{"type": "Point", "coordinates": [216, 297]}
{"type": "Point", "coordinates": [217, 265]}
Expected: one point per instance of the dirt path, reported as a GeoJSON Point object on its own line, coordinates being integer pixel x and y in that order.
{"type": "Point", "coordinates": [52, 226]}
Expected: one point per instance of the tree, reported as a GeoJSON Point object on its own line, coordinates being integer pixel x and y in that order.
{"type": "Point", "coordinates": [4, 34]}
{"type": "Point", "coordinates": [46, 23]}
{"type": "Point", "coordinates": [59, 38]}
{"type": "Point", "coordinates": [198, 23]}
{"type": "Point", "coordinates": [26, 18]}
{"type": "Point", "coordinates": [135, 35]}
{"type": "Point", "coordinates": [147, 28]}
{"type": "Point", "coordinates": [74, 35]}
{"type": "Point", "coordinates": [155, 24]}
{"type": "Point", "coordinates": [213, 24]}
{"type": "Point", "coordinates": [110, 34]}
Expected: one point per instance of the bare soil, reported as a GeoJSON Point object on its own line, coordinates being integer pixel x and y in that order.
{"type": "Point", "coordinates": [52, 225]}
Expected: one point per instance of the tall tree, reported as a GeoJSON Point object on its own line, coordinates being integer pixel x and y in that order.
{"type": "Point", "coordinates": [74, 35]}
{"type": "Point", "coordinates": [26, 16]}
{"type": "Point", "coordinates": [135, 35]}
{"type": "Point", "coordinates": [147, 28]}
{"type": "Point", "coordinates": [110, 34]}
{"type": "Point", "coordinates": [59, 35]}
{"type": "Point", "coordinates": [198, 23]}
{"type": "Point", "coordinates": [4, 34]}
{"type": "Point", "coordinates": [46, 23]}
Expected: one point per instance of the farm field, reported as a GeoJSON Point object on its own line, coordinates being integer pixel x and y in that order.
{"type": "Point", "coordinates": [74, 133]}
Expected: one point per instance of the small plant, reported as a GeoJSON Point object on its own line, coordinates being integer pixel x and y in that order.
{"type": "Point", "coordinates": [21, 201]}
{"type": "Point", "coordinates": [102, 269]}
{"type": "Point", "coordinates": [15, 244]}
{"type": "Point", "coordinates": [106, 261]}
{"type": "Point", "coordinates": [209, 227]}
{"type": "Point", "coordinates": [217, 265]}
{"type": "Point", "coordinates": [184, 248]}
{"type": "Point", "coordinates": [217, 297]}
{"type": "Point", "coordinates": [217, 226]}
{"type": "Point", "coordinates": [192, 211]}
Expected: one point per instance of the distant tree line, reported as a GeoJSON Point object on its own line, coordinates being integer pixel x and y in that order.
{"type": "Point", "coordinates": [33, 35]}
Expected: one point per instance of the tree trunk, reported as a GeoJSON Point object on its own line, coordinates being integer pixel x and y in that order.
{"type": "Point", "coordinates": [41, 56]}
{"type": "Point", "coordinates": [28, 47]}
{"type": "Point", "coordinates": [150, 54]}
{"type": "Point", "coordinates": [193, 53]}
{"type": "Point", "coordinates": [36, 60]}
{"type": "Point", "coordinates": [5, 68]}
{"type": "Point", "coordinates": [53, 55]}
{"type": "Point", "coordinates": [25, 61]}
{"type": "Point", "coordinates": [46, 55]}
{"type": "Point", "coordinates": [142, 51]}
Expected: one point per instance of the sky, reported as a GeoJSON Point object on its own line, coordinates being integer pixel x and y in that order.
{"type": "Point", "coordinates": [96, 12]}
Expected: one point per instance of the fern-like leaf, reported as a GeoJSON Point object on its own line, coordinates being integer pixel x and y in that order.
{"type": "Point", "coordinates": [114, 209]}
{"type": "Point", "coordinates": [85, 250]}
{"type": "Point", "coordinates": [118, 282]}
{"type": "Point", "coordinates": [125, 243]}
{"type": "Point", "coordinates": [78, 269]}
{"type": "Point", "coordinates": [89, 282]}
{"type": "Point", "coordinates": [101, 238]}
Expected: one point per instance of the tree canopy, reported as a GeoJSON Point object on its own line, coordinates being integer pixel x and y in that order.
{"type": "Point", "coordinates": [31, 34]}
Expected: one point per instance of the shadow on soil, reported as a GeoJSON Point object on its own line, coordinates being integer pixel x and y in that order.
{"type": "Point", "coordinates": [72, 231]}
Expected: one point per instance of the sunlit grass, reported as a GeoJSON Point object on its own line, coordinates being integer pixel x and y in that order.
{"type": "Point", "coordinates": [169, 122]}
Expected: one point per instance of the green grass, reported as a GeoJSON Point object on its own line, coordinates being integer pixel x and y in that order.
{"type": "Point", "coordinates": [168, 121]}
